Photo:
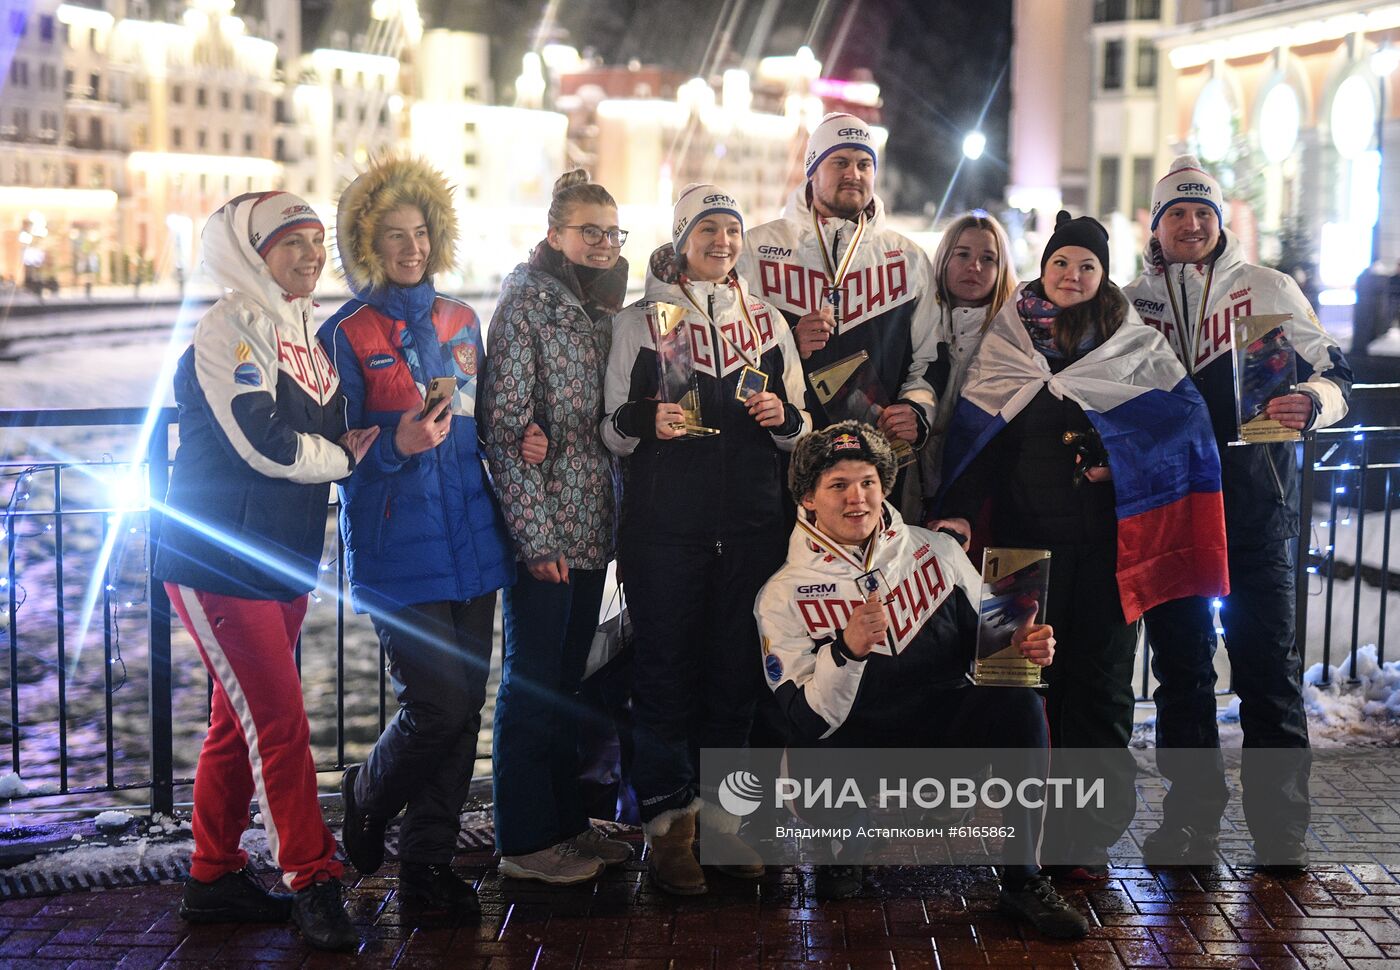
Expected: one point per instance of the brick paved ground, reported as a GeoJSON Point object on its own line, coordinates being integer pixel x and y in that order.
{"type": "Point", "coordinates": [1334, 917]}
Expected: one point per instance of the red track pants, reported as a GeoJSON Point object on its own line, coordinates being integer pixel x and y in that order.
{"type": "Point", "coordinates": [258, 741]}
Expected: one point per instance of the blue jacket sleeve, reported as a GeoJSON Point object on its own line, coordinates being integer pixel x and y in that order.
{"type": "Point", "coordinates": [382, 458]}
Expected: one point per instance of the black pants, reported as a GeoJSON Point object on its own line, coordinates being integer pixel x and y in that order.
{"type": "Point", "coordinates": [1008, 721]}
{"type": "Point", "coordinates": [439, 655]}
{"type": "Point", "coordinates": [1264, 663]}
{"type": "Point", "coordinates": [698, 666]}
{"type": "Point", "coordinates": [1089, 699]}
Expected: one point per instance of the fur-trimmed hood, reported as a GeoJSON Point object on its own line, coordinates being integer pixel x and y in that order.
{"type": "Point", "coordinates": [392, 182]}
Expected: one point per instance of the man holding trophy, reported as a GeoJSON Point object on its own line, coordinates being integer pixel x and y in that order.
{"type": "Point", "coordinates": [857, 294]}
{"type": "Point", "coordinates": [1210, 304]}
{"type": "Point", "coordinates": [852, 664]}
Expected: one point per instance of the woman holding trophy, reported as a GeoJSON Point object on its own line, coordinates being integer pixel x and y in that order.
{"type": "Point", "coordinates": [704, 390]}
{"type": "Point", "coordinates": [1080, 433]}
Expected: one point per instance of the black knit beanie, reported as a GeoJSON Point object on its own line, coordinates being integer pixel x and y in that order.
{"type": "Point", "coordinates": [1086, 231]}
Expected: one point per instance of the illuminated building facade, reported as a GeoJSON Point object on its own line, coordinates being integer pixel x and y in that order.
{"type": "Point", "coordinates": [1297, 108]}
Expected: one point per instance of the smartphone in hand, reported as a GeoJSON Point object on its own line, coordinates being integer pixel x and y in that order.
{"type": "Point", "coordinates": [439, 389]}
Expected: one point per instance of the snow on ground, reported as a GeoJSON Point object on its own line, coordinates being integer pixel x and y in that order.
{"type": "Point", "coordinates": [12, 786]}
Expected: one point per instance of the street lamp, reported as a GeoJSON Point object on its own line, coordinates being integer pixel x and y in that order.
{"type": "Point", "coordinates": [1383, 63]}
{"type": "Point", "coordinates": [974, 143]}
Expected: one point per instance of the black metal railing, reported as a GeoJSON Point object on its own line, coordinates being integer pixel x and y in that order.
{"type": "Point", "coordinates": [1356, 464]}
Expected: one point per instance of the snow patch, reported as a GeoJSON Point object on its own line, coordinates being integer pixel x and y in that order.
{"type": "Point", "coordinates": [12, 786]}
{"type": "Point", "coordinates": [112, 821]}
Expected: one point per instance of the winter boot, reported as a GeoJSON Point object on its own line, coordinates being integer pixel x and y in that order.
{"type": "Point", "coordinates": [671, 853]}
{"type": "Point", "coordinates": [719, 838]}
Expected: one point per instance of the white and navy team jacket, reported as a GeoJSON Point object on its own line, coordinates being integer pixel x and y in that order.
{"type": "Point", "coordinates": [885, 306]}
{"type": "Point", "coordinates": [721, 488]}
{"type": "Point", "coordinates": [826, 693]}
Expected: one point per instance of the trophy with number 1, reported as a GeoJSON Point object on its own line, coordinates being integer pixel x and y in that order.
{"type": "Point", "coordinates": [1014, 584]}
{"type": "Point", "coordinates": [677, 384]}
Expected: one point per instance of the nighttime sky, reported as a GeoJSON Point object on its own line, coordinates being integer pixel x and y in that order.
{"type": "Point", "coordinates": [937, 62]}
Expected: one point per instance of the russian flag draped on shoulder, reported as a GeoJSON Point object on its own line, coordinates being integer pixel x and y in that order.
{"type": "Point", "coordinates": [1154, 425]}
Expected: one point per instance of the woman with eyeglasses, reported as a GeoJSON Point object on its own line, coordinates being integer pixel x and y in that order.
{"type": "Point", "coordinates": [542, 399]}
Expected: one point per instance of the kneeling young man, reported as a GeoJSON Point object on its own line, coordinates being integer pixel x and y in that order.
{"type": "Point", "coordinates": [890, 676]}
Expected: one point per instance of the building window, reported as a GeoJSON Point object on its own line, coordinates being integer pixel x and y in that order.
{"type": "Point", "coordinates": [248, 144]}
{"type": "Point", "coordinates": [247, 101]}
{"type": "Point", "coordinates": [142, 92]}
{"type": "Point", "coordinates": [201, 139]}
{"type": "Point", "coordinates": [19, 72]}
{"type": "Point", "coordinates": [225, 101]}
{"type": "Point", "coordinates": [1108, 11]}
{"type": "Point", "coordinates": [1147, 9]}
{"type": "Point", "coordinates": [200, 97]}
{"type": "Point", "coordinates": [1108, 184]}
{"type": "Point", "coordinates": [1146, 64]}
{"type": "Point", "coordinates": [1113, 65]}
{"type": "Point", "coordinates": [19, 23]}
{"type": "Point", "coordinates": [21, 117]}
{"type": "Point", "coordinates": [94, 85]}
{"type": "Point", "coordinates": [95, 132]}
{"type": "Point", "coordinates": [46, 28]}
{"type": "Point", "coordinates": [98, 178]}
{"type": "Point", "coordinates": [339, 112]}
{"type": "Point", "coordinates": [138, 136]}
{"type": "Point", "coordinates": [177, 137]}
{"type": "Point", "coordinates": [70, 174]}
{"type": "Point", "coordinates": [225, 141]}
{"type": "Point", "coordinates": [1142, 183]}
{"type": "Point", "coordinates": [177, 94]}
{"type": "Point", "coordinates": [48, 76]}
{"type": "Point", "coordinates": [469, 159]}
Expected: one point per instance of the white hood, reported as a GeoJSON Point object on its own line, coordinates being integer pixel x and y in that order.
{"type": "Point", "coordinates": [232, 262]}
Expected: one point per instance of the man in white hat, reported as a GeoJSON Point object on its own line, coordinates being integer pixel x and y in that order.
{"type": "Point", "coordinates": [845, 282]}
{"type": "Point", "coordinates": [1195, 284]}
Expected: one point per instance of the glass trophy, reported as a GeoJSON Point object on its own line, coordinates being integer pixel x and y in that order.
{"type": "Point", "coordinates": [1265, 367]}
{"type": "Point", "coordinates": [1014, 584]}
{"type": "Point", "coordinates": [677, 383]}
{"type": "Point", "coordinates": [850, 390]}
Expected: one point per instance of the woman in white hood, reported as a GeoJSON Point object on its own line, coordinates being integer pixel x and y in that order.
{"type": "Point", "coordinates": [262, 436]}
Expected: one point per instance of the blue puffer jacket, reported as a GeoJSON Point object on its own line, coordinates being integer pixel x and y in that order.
{"type": "Point", "coordinates": [427, 528]}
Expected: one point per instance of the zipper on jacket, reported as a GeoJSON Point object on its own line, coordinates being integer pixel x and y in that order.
{"type": "Point", "coordinates": [310, 359]}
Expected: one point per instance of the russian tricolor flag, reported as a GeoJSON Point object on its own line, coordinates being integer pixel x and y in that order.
{"type": "Point", "coordinates": [1154, 424]}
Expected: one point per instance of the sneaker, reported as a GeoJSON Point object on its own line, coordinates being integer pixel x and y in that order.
{"type": "Point", "coordinates": [560, 865]}
{"type": "Point", "coordinates": [838, 882]}
{"type": "Point", "coordinates": [1037, 903]}
{"type": "Point", "coordinates": [593, 842]}
{"type": "Point", "coordinates": [1084, 872]}
{"type": "Point", "coordinates": [436, 889]}
{"type": "Point", "coordinates": [320, 915]}
{"type": "Point", "coordinates": [1180, 845]}
{"type": "Point", "coordinates": [235, 897]}
{"type": "Point", "coordinates": [362, 835]}
{"type": "Point", "coordinates": [1284, 860]}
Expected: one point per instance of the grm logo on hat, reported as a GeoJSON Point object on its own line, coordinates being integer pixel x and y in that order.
{"type": "Point", "coordinates": [1199, 188]}
{"type": "Point", "coordinates": [859, 134]}
{"type": "Point", "coordinates": [719, 199]}
{"type": "Point", "coordinates": [846, 442]}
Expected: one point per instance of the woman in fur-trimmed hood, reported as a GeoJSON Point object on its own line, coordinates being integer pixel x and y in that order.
{"type": "Point", "coordinates": [426, 546]}
{"type": "Point", "coordinates": [391, 183]}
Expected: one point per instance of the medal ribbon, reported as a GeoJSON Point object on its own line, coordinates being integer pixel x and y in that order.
{"type": "Point", "coordinates": [748, 321]}
{"type": "Point", "coordinates": [836, 275]}
{"type": "Point", "coordinates": [823, 541]}
{"type": "Point", "coordinates": [1194, 336]}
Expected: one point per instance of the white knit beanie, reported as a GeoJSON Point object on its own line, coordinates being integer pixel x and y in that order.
{"type": "Point", "coordinates": [277, 213]}
{"type": "Point", "coordinates": [836, 131]}
{"type": "Point", "coordinates": [694, 203]}
{"type": "Point", "coordinates": [1185, 181]}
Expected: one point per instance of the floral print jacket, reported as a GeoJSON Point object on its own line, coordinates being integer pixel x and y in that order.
{"type": "Point", "coordinates": [545, 363]}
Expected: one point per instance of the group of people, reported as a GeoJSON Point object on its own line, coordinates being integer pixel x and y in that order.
{"type": "Point", "coordinates": [528, 465]}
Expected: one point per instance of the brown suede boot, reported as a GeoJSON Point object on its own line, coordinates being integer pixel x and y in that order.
{"type": "Point", "coordinates": [671, 856]}
{"type": "Point", "coordinates": [718, 833]}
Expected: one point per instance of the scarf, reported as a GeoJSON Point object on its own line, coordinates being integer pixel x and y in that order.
{"type": "Point", "coordinates": [600, 291]}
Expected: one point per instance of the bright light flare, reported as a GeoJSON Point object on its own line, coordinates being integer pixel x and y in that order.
{"type": "Point", "coordinates": [974, 144]}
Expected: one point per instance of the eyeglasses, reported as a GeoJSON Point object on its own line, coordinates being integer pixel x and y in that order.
{"type": "Point", "coordinates": [593, 235]}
